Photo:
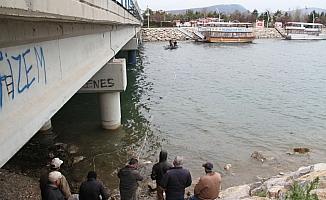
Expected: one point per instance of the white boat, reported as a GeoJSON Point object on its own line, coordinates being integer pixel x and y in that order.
{"type": "Point", "coordinates": [226, 32]}
{"type": "Point", "coordinates": [304, 31]}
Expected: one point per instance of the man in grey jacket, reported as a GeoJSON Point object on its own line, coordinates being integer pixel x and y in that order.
{"type": "Point", "coordinates": [129, 177]}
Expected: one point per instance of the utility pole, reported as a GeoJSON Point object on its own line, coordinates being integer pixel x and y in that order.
{"type": "Point", "coordinates": [147, 14]}
{"type": "Point", "coordinates": [219, 15]}
{"type": "Point", "coordinates": [267, 12]}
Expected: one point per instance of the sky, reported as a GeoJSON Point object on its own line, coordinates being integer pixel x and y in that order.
{"type": "Point", "coordinates": [260, 5]}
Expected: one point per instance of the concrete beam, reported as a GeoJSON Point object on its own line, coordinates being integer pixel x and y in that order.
{"type": "Point", "coordinates": [131, 45]}
{"type": "Point", "coordinates": [95, 11]}
{"type": "Point", "coordinates": [37, 79]}
{"type": "Point", "coordinates": [111, 78]}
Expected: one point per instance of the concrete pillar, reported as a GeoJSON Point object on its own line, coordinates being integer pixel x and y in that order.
{"type": "Point", "coordinates": [108, 83]}
{"type": "Point", "coordinates": [110, 110]}
{"type": "Point", "coordinates": [132, 57]}
{"type": "Point", "coordinates": [47, 126]}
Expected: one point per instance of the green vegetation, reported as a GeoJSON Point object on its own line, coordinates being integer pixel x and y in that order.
{"type": "Point", "coordinates": [303, 193]}
{"type": "Point", "coordinates": [261, 194]}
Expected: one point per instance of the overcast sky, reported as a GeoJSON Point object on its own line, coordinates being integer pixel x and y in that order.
{"type": "Point", "coordinates": [249, 4]}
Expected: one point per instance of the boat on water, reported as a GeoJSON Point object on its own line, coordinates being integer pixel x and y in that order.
{"type": "Point", "coordinates": [304, 31]}
{"type": "Point", "coordinates": [226, 32]}
{"type": "Point", "coordinates": [168, 47]}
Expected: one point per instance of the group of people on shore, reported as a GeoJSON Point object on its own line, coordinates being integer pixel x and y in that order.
{"type": "Point", "coordinates": [170, 179]}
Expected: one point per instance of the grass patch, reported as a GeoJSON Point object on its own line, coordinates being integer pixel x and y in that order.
{"type": "Point", "coordinates": [298, 192]}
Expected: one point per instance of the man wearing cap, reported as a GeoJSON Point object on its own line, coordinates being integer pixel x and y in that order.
{"type": "Point", "coordinates": [52, 191]}
{"type": "Point", "coordinates": [208, 187]}
{"type": "Point", "coordinates": [175, 180]}
{"type": "Point", "coordinates": [63, 186]}
{"type": "Point", "coordinates": [129, 177]}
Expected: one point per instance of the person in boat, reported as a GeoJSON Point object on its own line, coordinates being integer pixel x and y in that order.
{"type": "Point", "coordinates": [175, 44]}
{"type": "Point", "coordinates": [170, 42]}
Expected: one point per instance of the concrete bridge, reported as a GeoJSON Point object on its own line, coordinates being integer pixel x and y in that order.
{"type": "Point", "coordinates": [49, 50]}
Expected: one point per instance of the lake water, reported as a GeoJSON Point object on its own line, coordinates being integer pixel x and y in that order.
{"type": "Point", "coordinates": [209, 102]}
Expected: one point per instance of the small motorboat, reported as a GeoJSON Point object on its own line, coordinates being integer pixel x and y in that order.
{"type": "Point", "coordinates": [168, 47]}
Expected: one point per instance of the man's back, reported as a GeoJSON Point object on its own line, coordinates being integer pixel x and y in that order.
{"type": "Point", "coordinates": [53, 193]}
{"type": "Point", "coordinates": [175, 181]}
{"type": "Point", "coordinates": [159, 169]}
{"type": "Point", "coordinates": [129, 177]}
{"type": "Point", "coordinates": [91, 190]}
{"type": "Point", "coordinates": [208, 187]}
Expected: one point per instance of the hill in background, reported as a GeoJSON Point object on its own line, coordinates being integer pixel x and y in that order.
{"type": "Point", "coordinates": [306, 11]}
{"type": "Point", "coordinates": [223, 8]}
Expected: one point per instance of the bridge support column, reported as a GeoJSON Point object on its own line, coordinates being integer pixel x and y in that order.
{"type": "Point", "coordinates": [132, 57]}
{"type": "Point", "coordinates": [108, 83]}
{"type": "Point", "coordinates": [110, 110]}
{"type": "Point", "coordinates": [131, 47]}
{"type": "Point", "coordinates": [47, 126]}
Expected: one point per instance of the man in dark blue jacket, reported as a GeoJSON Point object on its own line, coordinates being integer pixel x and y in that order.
{"type": "Point", "coordinates": [159, 169]}
{"type": "Point", "coordinates": [92, 189]}
{"type": "Point", "coordinates": [176, 180]}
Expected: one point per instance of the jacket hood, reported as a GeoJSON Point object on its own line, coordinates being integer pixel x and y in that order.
{"type": "Point", "coordinates": [163, 156]}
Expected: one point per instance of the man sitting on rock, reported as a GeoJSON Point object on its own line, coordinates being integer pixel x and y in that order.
{"type": "Point", "coordinates": [208, 187]}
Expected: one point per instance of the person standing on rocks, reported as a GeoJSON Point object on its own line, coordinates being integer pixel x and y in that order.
{"type": "Point", "coordinates": [208, 187]}
{"type": "Point", "coordinates": [52, 191]}
{"type": "Point", "coordinates": [129, 177]}
{"type": "Point", "coordinates": [176, 180]}
{"type": "Point", "coordinates": [159, 169]}
{"type": "Point", "coordinates": [64, 186]}
{"type": "Point", "coordinates": [92, 189]}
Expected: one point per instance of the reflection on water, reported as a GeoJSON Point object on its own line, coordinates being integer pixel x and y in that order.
{"type": "Point", "coordinates": [211, 102]}
{"type": "Point", "coordinates": [78, 124]}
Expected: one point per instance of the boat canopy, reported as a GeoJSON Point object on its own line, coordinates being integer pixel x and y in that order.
{"type": "Point", "coordinates": [228, 24]}
{"type": "Point", "coordinates": [304, 24]}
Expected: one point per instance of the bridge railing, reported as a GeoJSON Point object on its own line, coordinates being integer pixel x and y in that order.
{"type": "Point", "coordinates": [130, 5]}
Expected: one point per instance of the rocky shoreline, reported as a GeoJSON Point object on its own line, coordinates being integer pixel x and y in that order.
{"type": "Point", "coordinates": [166, 34]}
{"type": "Point", "coordinates": [21, 186]}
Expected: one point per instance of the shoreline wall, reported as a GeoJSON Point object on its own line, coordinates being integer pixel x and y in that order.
{"type": "Point", "coordinates": [173, 33]}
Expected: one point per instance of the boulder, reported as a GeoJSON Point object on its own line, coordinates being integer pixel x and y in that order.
{"type": "Point", "coordinates": [235, 193]}
{"type": "Point", "coordinates": [319, 167]}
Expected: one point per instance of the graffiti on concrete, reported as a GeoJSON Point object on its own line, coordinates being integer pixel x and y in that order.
{"type": "Point", "coordinates": [20, 71]}
{"type": "Point", "coordinates": [99, 83]}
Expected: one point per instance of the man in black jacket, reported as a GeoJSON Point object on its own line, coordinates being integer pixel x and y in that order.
{"type": "Point", "coordinates": [159, 169]}
{"type": "Point", "coordinates": [92, 188]}
{"type": "Point", "coordinates": [176, 180]}
{"type": "Point", "coordinates": [129, 177]}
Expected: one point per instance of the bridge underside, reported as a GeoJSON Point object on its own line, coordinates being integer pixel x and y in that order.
{"type": "Point", "coordinates": [42, 65]}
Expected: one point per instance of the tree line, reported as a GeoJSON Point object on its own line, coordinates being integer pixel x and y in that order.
{"type": "Point", "coordinates": [162, 18]}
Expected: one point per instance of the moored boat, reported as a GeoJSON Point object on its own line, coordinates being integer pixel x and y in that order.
{"type": "Point", "coordinates": [226, 32]}
{"type": "Point", "coordinates": [304, 31]}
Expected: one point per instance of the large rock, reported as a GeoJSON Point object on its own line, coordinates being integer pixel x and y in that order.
{"type": "Point", "coordinates": [319, 167]}
{"type": "Point", "coordinates": [235, 193]}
